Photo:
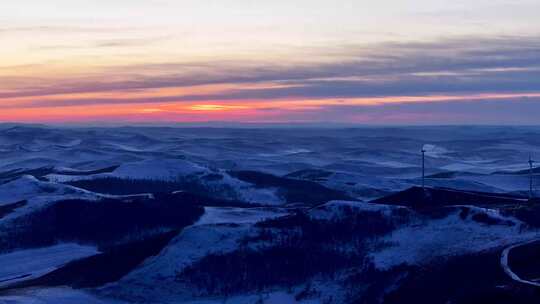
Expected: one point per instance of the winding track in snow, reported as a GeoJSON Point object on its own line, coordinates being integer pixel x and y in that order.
{"type": "Point", "coordinates": [508, 270]}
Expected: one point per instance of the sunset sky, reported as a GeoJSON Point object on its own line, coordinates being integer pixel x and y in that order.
{"type": "Point", "coordinates": [295, 61]}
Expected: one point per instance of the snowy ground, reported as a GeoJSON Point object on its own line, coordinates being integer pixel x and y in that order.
{"type": "Point", "coordinates": [219, 230]}
{"type": "Point", "coordinates": [31, 263]}
{"type": "Point", "coordinates": [223, 215]}
{"type": "Point", "coordinates": [54, 296]}
{"type": "Point", "coordinates": [39, 194]}
{"type": "Point", "coordinates": [276, 297]}
{"type": "Point", "coordinates": [170, 152]}
{"type": "Point", "coordinates": [148, 169]}
{"type": "Point", "coordinates": [28, 187]}
{"type": "Point", "coordinates": [334, 210]}
{"type": "Point", "coordinates": [421, 242]}
{"type": "Point", "coordinates": [364, 163]}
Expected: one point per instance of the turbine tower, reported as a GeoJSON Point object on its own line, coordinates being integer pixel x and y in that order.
{"type": "Point", "coordinates": [531, 163]}
{"type": "Point", "coordinates": [423, 168]}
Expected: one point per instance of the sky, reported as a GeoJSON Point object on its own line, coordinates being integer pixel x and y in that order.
{"type": "Point", "coordinates": [246, 61]}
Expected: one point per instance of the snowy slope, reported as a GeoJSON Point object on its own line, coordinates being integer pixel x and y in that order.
{"type": "Point", "coordinates": [28, 187]}
{"type": "Point", "coordinates": [147, 169]}
{"type": "Point", "coordinates": [218, 231]}
{"type": "Point", "coordinates": [223, 215]}
{"type": "Point", "coordinates": [419, 243]}
{"type": "Point", "coordinates": [336, 210]}
{"type": "Point", "coordinates": [182, 171]}
{"type": "Point", "coordinates": [31, 263]}
{"type": "Point", "coordinates": [39, 194]}
{"type": "Point", "coordinates": [60, 295]}
{"type": "Point", "coordinates": [275, 297]}
{"type": "Point", "coordinates": [366, 163]}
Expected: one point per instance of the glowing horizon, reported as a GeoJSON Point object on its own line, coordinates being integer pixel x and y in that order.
{"type": "Point", "coordinates": [315, 61]}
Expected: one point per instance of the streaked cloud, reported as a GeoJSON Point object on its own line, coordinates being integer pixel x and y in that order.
{"type": "Point", "coordinates": [181, 60]}
{"type": "Point", "coordinates": [457, 67]}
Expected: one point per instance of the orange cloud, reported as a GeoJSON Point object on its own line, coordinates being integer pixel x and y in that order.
{"type": "Point", "coordinates": [216, 107]}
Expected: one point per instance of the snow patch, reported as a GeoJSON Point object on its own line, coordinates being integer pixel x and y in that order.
{"type": "Point", "coordinates": [60, 295]}
{"type": "Point", "coordinates": [148, 169]}
{"type": "Point", "coordinates": [221, 215]}
{"type": "Point", "coordinates": [29, 188]}
{"type": "Point", "coordinates": [32, 263]}
{"type": "Point", "coordinates": [275, 297]}
{"type": "Point", "coordinates": [339, 209]}
{"type": "Point", "coordinates": [418, 243]}
{"type": "Point", "coordinates": [191, 245]}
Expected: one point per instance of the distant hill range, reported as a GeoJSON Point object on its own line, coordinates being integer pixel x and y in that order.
{"type": "Point", "coordinates": [418, 197]}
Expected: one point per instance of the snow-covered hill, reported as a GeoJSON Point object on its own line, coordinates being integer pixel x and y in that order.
{"type": "Point", "coordinates": [242, 216]}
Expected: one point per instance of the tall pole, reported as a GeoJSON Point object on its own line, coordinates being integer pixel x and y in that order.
{"type": "Point", "coordinates": [423, 169]}
{"type": "Point", "coordinates": [531, 162]}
